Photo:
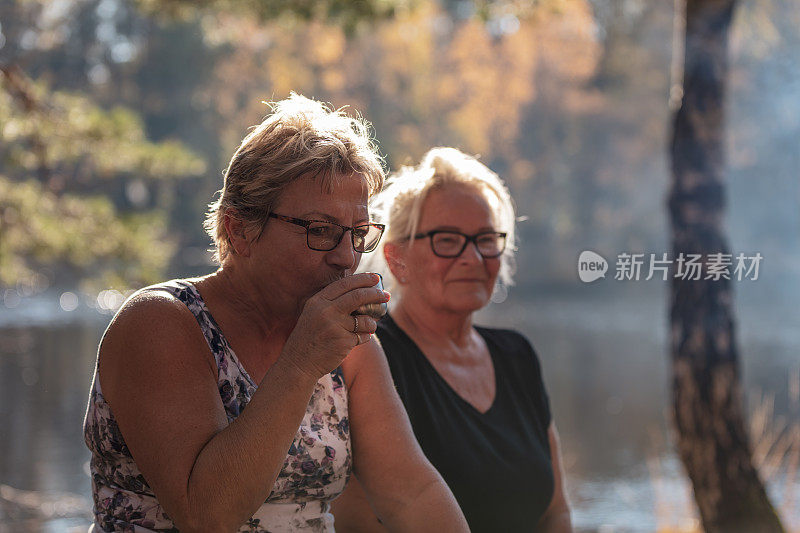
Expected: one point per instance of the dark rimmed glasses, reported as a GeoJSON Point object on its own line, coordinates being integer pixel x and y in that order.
{"type": "Point", "coordinates": [447, 243]}
{"type": "Point", "coordinates": [324, 236]}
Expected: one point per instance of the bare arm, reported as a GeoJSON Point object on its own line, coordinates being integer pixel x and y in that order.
{"type": "Point", "coordinates": [159, 378]}
{"type": "Point", "coordinates": [407, 493]}
{"type": "Point", "coordinates": [353, 512]}
{"type": "Point", "coordinates": [556, 519]}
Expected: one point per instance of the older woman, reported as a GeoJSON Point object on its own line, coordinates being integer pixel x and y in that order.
{"type": "Point", "coordinates": [474, 395]}
{"type": "Point", "coordinates": [243, 400]}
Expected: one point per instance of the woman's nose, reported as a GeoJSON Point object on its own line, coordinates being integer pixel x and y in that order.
{"type": "Point", "coordinates": [471, 253]}
{"type": "Point", "coordinates": [343, 256]}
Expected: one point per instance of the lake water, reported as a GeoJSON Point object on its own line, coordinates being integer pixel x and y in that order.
{"type": "Point", "coordinates": [606, 367]}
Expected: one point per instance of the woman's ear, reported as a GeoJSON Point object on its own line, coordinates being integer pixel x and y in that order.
{"type": "Point", "coordinates": [394, 255]}
{"type": "Point", "coordinates": [237, 233]}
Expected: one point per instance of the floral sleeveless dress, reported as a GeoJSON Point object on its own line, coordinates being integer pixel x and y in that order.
{"type": "Point", "coordinates": [317, 466]}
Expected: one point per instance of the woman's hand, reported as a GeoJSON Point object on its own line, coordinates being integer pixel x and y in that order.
{"type": "Point", "coordinates": [326, 331]}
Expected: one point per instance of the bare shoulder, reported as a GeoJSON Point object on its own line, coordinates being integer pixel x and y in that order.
{"type": "Point", "coordinates": [156, 311]}
{"type": "Point", "coordinates": [152, 330]}
{"type": "Point", "coordinates": [368, 357]}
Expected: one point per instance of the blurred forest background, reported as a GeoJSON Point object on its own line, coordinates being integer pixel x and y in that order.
{"type": "Point", "coordinates": [117, 118]}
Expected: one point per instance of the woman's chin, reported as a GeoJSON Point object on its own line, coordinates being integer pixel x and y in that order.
{"type": "Point", "coordinates": [470, 302]}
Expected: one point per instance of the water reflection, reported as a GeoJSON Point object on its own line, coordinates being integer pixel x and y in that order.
{"type": "Point", "coordinates": [44, 375]}
{"type": "Point", "coordinates": [605, 364]}
{"type": "Point", "coordinates": [607, 369]}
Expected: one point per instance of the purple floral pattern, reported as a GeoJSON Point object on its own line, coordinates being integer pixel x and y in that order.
{"type": "Point", "coordinates": [317, 466]}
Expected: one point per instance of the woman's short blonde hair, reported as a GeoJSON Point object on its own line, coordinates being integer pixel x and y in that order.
{"type": "Point", "coordinates": [301, 137]}
{"type": "Point", "coordinates": [399, 205]}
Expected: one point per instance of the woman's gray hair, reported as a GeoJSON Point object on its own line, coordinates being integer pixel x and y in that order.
{"type": "Point", "coordinates": [399, 205]}
{"type": "Point", "coordinates": [301, 137]}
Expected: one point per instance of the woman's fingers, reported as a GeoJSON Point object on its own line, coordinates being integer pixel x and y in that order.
{"type": "Point", "coordinates": [361, 324]}
{"type": "Point", "coordinates": [350, 293]}
{"type": "Point", "coordinates": [347, 284]}
{"type": "Point", "coordinates": [350, 301]}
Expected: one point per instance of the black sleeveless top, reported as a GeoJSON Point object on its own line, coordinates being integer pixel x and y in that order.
{"type": "Point", "coordinates": [496, 463]}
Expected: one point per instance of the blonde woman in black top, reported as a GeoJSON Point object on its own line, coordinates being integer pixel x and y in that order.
{"type": "Point", "coordinates": [474, 395]}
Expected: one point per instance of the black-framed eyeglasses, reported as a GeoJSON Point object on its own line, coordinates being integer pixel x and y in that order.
{"type": "Point", "coordinates": [324, 236]}
{"type": "Point", "coordinates": [448, 243]}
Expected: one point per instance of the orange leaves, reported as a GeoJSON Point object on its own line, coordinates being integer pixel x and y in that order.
{"type": "Point", "coordinates": [424, 77]}
{"type": "Point", "coordinates": [326, 45]}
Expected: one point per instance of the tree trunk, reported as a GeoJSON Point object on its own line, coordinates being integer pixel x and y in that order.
{"type": "Point", "coordinates": [708, 406]}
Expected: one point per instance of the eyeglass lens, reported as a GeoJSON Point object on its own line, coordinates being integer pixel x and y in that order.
{"type": "Point", "coordinates": [326, 237]}
{"type": "Point", "coordinates": [452, 244]}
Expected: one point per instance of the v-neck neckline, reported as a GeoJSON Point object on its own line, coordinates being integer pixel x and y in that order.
{"type": "Point", "coordinates": [222, 337]}
{"type": "Point", "coordinates": [407, 338]}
